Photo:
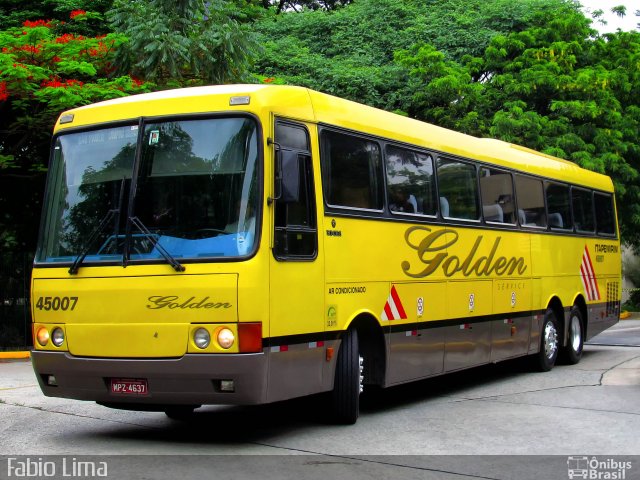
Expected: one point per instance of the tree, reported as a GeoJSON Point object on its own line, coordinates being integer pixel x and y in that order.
{"type": "Point", "coordinates": [185, 43]}
{"type": "Point", "coordinates": [350, 51]}
{"type": "Point", "coordinates": [300, 5]}
{"type": "Point", "coordinates": [42, 73]}
{"type": "Point", "coordinates": [556, 87]}
{"type": "Point", "coordinates": [14, 12]}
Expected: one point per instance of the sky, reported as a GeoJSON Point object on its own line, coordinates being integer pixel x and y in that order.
{"type": "Point", "coordinates": [628, 22]}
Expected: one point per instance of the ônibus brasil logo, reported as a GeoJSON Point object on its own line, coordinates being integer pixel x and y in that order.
{"type": "Point", "coordinates": [595, 468]}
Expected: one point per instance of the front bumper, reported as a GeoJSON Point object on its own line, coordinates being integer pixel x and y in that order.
{"type": "Point", "coordinates": [188, 380]}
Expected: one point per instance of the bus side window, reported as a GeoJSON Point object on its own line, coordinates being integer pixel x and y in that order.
{"type": "Point", "coordinates": [582, 203]}
{"type": "Point", "coordinates": [352, 171]}
{"type": "Point", "coordinates": [559, 206]}
{"type": "Point", "coordinates": [496, 188]}
{"type": "Point", "coordinates": [458, 185]}
{"type": "Point", "coordinates": [410, 181]}
{"type": "Point", "coordinates": [530, 200]}
{"type": "Point", "coordinates": [605, 216]}
{"type": "Point", "coordinates": [296, 234]}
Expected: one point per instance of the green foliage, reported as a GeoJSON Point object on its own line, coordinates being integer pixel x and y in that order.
{"type": "Point", "coordinates": [350, 52]}
{"type": "Point", "coordinates": [631, 269]}
{"type": "Point", "coordinates": [43, 73]}
{"type": "Point", "coordinates": [13, 13]}
{"type": "Point", "coordinates": [556, 87]}
{"type": "Point", "coordinates": [280, 6]}
{"type": "Point", "coordinates": [185, 43]}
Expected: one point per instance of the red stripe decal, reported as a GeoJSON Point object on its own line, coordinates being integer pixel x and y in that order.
{"type": "Point", "coordinates": [388, 312]}
{"type": "Point", "coordinates": [593, 274]}
{"type": "Point", "coordinates": [586, 282]}
{"type": "Point", "coordinates": [396, 300]}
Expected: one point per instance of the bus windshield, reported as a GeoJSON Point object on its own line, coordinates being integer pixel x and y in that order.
{"type": "Point", "coordinates": [188, 187]}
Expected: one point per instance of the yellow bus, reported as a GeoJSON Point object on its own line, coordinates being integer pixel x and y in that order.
{"type": "Point", "coordinates": [246, 244]}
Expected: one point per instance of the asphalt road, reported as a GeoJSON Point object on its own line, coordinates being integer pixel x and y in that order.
{"type": "Point", "coordinates": [499, 421]}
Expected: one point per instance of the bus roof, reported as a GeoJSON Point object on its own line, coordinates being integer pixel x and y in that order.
{"type": "Point", "coordinates": [307, 105]}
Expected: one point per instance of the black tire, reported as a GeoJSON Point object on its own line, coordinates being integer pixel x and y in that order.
{"type": "Point", "coordinates": [181, 413]}
{"type": "Point", "coordinates": [345, 397]}
{"type": "Point", "coordinates": [572, 351]}
{"type": "Point", "coordinates": [546, 358]}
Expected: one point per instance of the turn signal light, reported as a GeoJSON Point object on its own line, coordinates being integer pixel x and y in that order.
{"type": "Point", "coordinates": [42, 335]}
{"type": "Point", "coordinates": [226, 338]}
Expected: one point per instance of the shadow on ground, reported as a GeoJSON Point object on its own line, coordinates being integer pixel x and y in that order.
{"type": "Point", "coordinates": [226, 425]}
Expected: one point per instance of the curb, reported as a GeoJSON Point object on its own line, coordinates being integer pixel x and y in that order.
{"type": "Point", "coordinates": [15, 355]}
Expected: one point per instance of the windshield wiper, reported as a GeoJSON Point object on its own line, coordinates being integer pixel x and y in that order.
{"type": "Point", "coordinates": [115, 212]}
{"type": "Point", "coordinates": [177, 266]}
{"type": "Point", "coordinates": [92, 238]}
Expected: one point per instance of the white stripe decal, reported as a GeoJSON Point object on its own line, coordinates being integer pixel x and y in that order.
{"type": "Point", "coordinates": [588, 277]}
{"type": "Point", "coordinates": [393, 308]}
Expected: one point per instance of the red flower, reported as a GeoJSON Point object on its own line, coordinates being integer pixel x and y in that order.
{"type": "Point", "coordinates": [56, 59]}
{"type": "Point", "coordinates": [77, 13]}
{"type": "Point", "coordinates": [37, 23]}
{"type": "Point", "coordinates": [3, 91]}
{"type": "Point", "coordinates": [57, 83]}
{"type": "Point", "coordinates": [269, 80]}
{"type": "Point", "coordinates": [30, 49]}
{"type": "Point", "coordinates": [66, 38]}
{"type": "Point", "coordinates": [135, 83]}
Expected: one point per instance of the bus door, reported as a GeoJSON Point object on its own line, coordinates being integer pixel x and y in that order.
{"type": "Point", "coordinates": [296, 271]}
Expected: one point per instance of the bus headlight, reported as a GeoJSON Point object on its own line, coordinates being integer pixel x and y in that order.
{"type": "Point", "coordinates": [201, 338]}
{"type": "Point", "coordinates": [226, 338]}
{"type": "Point", "coordinates": [57, 336]}
{"type": "Point", "coordinates": [43, 336]}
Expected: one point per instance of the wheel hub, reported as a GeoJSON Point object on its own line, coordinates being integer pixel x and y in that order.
{"type": "Point", "coordinates": [575, 334]}
{"type": "Point", "coordinates": [550, 340]}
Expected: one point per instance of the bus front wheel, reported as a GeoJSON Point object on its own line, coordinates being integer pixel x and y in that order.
{"type": "Point", "coordinates": [546, 357]}
{"type": "Point", "coordinates": [572, 351]}
{"type": "Point", "coordinates": [347, 385]}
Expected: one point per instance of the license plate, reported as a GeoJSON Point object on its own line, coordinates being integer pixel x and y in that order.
{"type": "Point", "coordinates": [129, 386]}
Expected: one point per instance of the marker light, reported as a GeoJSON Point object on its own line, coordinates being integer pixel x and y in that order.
{"type": "Point", "coordinates": [201, 338]}
{"type": "Point", "coordinates": [43, 336]}
{"type": "Point", "coordinates": [240, 100]}
{"type": "Point", "coordinates": [68, 118]}
{"type": "Point", "coordinates": [57, 336]}
{"type": "Point", "coordinates": [226, 338]}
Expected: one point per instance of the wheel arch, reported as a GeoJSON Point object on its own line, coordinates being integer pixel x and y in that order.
{"type": "Point", "coordinates": [581, 304]}
{"type": "Point", "coordinates": [372, 346]}
{"type": "Point", "coordinates": [555, 304]}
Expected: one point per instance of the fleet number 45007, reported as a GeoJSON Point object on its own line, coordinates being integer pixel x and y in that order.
{"type": "Point", "coordinates": [56, 303]}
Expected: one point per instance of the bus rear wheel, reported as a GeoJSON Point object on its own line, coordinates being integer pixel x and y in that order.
{"type": "Point", "coordinates": [545, 359]}
{"type": "Point", "coordinates": [347, 386]}
{"type": "Point", "coordinates": [572, 351]}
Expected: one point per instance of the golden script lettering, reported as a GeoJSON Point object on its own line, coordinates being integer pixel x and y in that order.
{"type": "Point", "coordinates": [431, 247]}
